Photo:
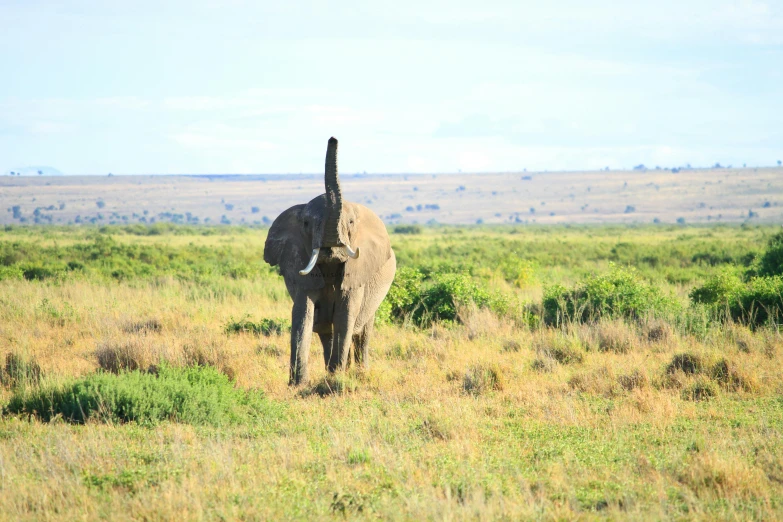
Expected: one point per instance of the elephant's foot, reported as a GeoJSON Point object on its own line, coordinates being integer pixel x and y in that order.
{"type": "Point", "coordinates": [297, 380]}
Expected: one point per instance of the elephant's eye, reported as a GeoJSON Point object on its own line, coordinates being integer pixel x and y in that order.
{"type": "Point", "coordinates": [306, 223]}
{"type": "Point", "coordinates": [351, 222]}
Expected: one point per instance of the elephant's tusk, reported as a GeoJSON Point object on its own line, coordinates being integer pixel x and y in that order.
{"type": "Point", "coordinates": [351, 253]}
{"type": "Point", "coordinates": [311, 264]}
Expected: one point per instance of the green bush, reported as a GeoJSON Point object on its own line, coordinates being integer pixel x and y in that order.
{"type": "Point", "coordinates": [264, 327]}
{"type": "Point", "coordinates": [771, 261]}
{"type": "Point", "coordinates": [759, 302]}
{"type": "Point", "coordinates": [199, 395]}
{"type": "Point", "coordinates": [756, 302]}
{"type": "Point", "coordinates": [408, 229]}
{"type": "Point", "coordinates": [11, 272]}
{"type": "Point", "coordinates": [618, 293]}
{"type": "Point", "coordinates": [437, 298]}
{"type": "Point", "coordinates": [403, 296]}
{"type": "Point", "coordinates": [719, 289]}
{"type": "Point", "coordinates": [36, 272]}
{"type": "Point", "coordinates": [441, 301]}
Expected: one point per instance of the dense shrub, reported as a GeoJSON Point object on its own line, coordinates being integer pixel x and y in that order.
{"type": "Point", "coordinates": [771, 262]}
{"type": "Point", "coordinates": [11, 272]}
{"type": "Point", "coordinates": [35, 272]}
{"type": "Point", "coordinates": [199, 395]}
{"type": "Point", "coordinates": [759, 302]}
{"type": "Point", "coordinates": [441, 300]}
{"type": "Point", "coordinates": [756, 302]}
{"type": "Point", "coordinates": [719, 289]}
{"type": "Point", "coordinates": [404, 294]}
{"type": "Point", "coordinates": [423, 300]}
{"type": "Point", "coordinates": [407, 229]}
{"type": "Point", "coordinates": [618, 293]}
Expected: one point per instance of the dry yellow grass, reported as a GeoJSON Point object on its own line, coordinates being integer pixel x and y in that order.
{"type": "Point", "coordinates": [449, 423]}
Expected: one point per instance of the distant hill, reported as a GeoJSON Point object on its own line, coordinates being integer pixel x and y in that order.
{"type": "Point", "coordinates": [34, 171]}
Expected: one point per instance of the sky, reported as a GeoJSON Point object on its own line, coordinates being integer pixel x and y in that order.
{"type": "Point", "coordinates": [232, 86]}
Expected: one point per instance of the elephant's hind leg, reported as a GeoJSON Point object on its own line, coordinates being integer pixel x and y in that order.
{"type": "Point", "coordinates": [361, 345]}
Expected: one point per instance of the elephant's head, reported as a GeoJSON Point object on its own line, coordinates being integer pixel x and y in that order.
{"type": "Point", "coordinates": [310, 241]}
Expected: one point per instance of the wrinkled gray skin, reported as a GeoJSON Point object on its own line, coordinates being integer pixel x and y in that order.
{"type": "Point", "coordinates": [339, 296]}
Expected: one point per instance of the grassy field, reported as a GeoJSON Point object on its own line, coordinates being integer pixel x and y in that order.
{"type": "Point", "coordinates": [488, 397]}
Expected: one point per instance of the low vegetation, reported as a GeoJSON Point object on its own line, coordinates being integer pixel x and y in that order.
{"type": "Point", "coordinates": [516, 372]}
{"type": "Point", "coordinates": [198, 395]}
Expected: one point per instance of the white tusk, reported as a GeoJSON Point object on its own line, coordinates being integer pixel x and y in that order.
{"type": "Point", "coordinates": [351, 253]}
{"type": "Point", "coordinates": [311, 264]}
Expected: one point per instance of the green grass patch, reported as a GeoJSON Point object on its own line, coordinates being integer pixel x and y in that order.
{"type": "Point", "coordinates": [264, 327]}
{"type": "Point", "coordinates": [200, 396]}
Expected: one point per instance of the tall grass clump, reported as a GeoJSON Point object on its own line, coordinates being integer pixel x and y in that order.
{"type": "Point", "coordinates": [198, 395]}
{"type": "Point", "coordinates": [620, 293]}
{"type": "Point", "coordinates": [19, 371]}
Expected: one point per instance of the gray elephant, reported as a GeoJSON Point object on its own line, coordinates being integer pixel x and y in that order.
{"type": "Point", "coordinates": [338, 265]}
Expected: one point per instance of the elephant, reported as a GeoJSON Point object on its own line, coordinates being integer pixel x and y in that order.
{"type": "Point", "coordinates": [338, 265]}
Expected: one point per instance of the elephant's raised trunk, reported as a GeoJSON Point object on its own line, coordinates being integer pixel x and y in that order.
{"type": "Point", "coordinates": [334, 211]}
{"type": "Point", "coordinates": [334, 198]}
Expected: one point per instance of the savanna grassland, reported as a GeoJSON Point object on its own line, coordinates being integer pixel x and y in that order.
{"type": "Point", "coordinates": [517, 372]}
{"type": "Point", "coordinates": [691, 196]}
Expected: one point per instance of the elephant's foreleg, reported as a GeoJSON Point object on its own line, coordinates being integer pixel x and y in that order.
{"type": "Point", "coordinates": [301, 333]}
{"type": "Point", "coordinates": [346, 311]}
{"type": "Point", "coordinates": [361, 345]}
{"type": "Point", "coordinates": [326, 341]}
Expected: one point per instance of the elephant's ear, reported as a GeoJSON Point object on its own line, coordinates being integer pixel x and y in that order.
{"type": "Point", "coordinates": [372, 240]}
{"type": "Point", "coordinates": [285, 246]}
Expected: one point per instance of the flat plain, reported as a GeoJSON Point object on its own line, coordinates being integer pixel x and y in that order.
{"type": "Point", "coordinates": [726, 195]}
{"type": "Point", "coordinates": [493, 413]}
